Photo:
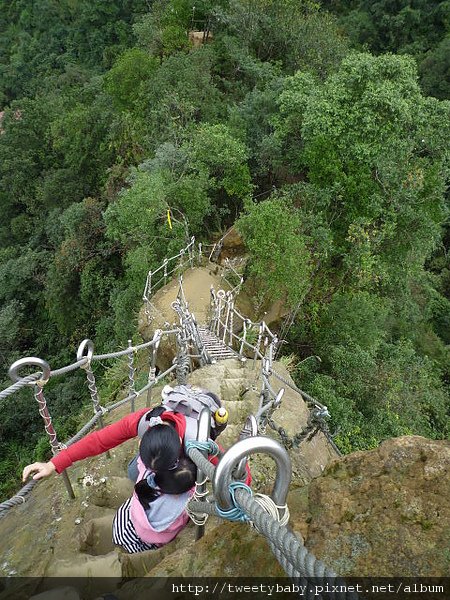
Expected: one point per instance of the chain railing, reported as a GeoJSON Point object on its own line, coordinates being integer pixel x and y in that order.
{"type": "Point", "coordinates": [85, 360]}
{"type": "Point", "coordinates": [160, 276]}
{"type": "Point", "coordinates": [255, 340]}
{"type": "Point", "coordinates": [247, 339]}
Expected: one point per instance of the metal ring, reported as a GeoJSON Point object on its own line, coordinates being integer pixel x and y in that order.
{"type": "Point", "coordinates": [30, 361]}
{"type": "Point", "coordinates": [221, 294]}
{"type": "Point", "coordinates": [90, 350]}
{"type": "Point", "coordinates": [243, 448]}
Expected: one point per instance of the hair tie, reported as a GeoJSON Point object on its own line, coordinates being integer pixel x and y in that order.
{"type": "Point", "coordinates": [174, 466]}
{"type": "Point", "coordinates": [151, 481]}
{"type": "Point", "coordinates": [155, 421]}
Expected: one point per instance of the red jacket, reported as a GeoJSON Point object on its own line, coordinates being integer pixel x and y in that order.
{"type": "Point", "coordinates": [101, 440]}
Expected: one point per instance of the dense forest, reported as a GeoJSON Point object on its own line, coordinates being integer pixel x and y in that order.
{"type": "Point", "coordinates": [320, 130]}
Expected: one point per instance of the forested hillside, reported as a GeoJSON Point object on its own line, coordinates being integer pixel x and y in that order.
{"type": "Point", "coordinates": [331, 157]}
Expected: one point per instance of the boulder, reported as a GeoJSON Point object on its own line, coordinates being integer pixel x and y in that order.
{"type": "Point", "coordinates": [385, 512]}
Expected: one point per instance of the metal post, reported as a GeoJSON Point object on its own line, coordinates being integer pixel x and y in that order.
{"type": "Point", "coordinates": [165, 270]}
{"type": "Point", "coordinates": [131, 373]}
{"type": "Point", "coordinates": [182, 360]}
{"type": "Point", "coordinates": [88, 344]}
{"type": "Point", "coordinates": [230, 342]}
{"type": "Point", "coordinates": [152, 370]}
{"type": "Point", "coordinates": [204, 425]}
{"type": "Point", "coordinates": [258, 342]}
{"type": "Point", "coordinates": [43, 409]}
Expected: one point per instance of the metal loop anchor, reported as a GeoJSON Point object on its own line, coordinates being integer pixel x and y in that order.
{"type": "Point", "coordinates": [27, 362]}
{"type": "Point", "coordinates": [243, 448]}
{"type": "Point", "coordinates": [89, 344]}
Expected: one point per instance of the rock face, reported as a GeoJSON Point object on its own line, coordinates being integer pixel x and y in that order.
{"type": "Point", "coordinates": [385, 512]}
{"type": "Point", "coordinates": [54, 536]}
{"type": "Point", "coordinates": [380, 513]}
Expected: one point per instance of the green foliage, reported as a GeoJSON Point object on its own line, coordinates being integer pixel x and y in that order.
{"type": "Point", "coordinates": [373, 396]}
{"type": "Point", "coordinates": [124, 79]}
{"type": "Point", "coordinates": [280, 259]}
{"type": "Point", "coordinates": [40, 38]}
{"type": "Point", "coordinates": [180, 93]}
{"type": "Point", "coordinates": [353, 318]}
{"type": "Point", "coordinates": [293, 33]}
{"type": "Point", "coordinates": [368, 135]}
{"type": "Point", "coordinates": [419, 28]}
{"type": "Point", "coordinates": [131, 219]}
{"type": "Point", "coordinates": [346, 160]}
{"type": "Point", "coordinates": [435, 70]}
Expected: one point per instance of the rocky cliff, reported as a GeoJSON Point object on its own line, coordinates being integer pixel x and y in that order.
{"type": "Point", "coordinates": [383, 512]}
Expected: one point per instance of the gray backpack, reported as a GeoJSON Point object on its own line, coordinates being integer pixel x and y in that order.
{"type": "Point", "coordinates": [188, 401]}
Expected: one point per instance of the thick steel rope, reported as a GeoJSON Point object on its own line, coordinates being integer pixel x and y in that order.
{"type": "Point", "coordinates": [20, 384]}
{"type": "Point", "coordinates": [73, 367]}
{"type": "Point", "coordinates": [18, 498]}
{"type": "Point", "coordinates": [296, 560]}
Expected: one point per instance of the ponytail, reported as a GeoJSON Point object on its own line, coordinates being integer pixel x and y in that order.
{"type": "Point", "coordinates": [175, 481]}
{"type": "Point", "coordinates": [160, 448]}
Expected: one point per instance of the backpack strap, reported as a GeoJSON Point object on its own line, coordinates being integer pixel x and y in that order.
{"type": "Point", "coordinates": [143, 424]}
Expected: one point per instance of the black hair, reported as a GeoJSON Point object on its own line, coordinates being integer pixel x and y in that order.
{"type": "Point", "coordinates": [176, 481]}
{"type": "Point", "coordinates": [160, 447]}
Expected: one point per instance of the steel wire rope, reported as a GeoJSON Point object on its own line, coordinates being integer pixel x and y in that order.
{"type": "Point", "coordinates": [288, 548]}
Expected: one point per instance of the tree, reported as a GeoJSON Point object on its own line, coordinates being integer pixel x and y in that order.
{"type": "Point", "coordinates": [124, 79]}
{"type": "Point", "coordinates": [369, 135]}
{"type": "Point", "coordinates": [280, 261]}
{"type": "Point", "coordinates": [296, 34]}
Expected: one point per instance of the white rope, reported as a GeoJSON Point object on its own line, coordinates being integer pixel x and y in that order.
{"type": "Point", "coordinates": [272, 509]}
{"type": "Point", "coordinates": [198, 518]}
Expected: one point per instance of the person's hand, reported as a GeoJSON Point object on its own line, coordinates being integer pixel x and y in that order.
{"type": "Point", "coordinates": [41, 469]}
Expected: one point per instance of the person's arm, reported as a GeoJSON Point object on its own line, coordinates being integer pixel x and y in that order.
{"type": "Point", "coordinates": [93, 444]}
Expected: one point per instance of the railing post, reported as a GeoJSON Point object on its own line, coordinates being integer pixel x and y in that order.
{"type": "Point", "coordinates": [191, 253]}
{"type": "Point", "coordinates": [258, 342]}
{"type": "Point", "coordinates": [131, 374]}
{"type": "Point", "coordinates": [165, 270]}
{"type": "Point", "coordinates": [152, 369]}
{"type": "Point", "coordinates": [88, 344]}
{"type": "Point", "coordinates": [243, 339]}
{"type": "Point", "coordinates": [182, 360]}
{"type": "Point", "coordinates": [204, 425]}
{"type": "Point", "coordinates": [227, 317]}
{"type": "Point", "coordinates": [230, 339]}
{"type": "Point", "coordinates": [38, 386]}
{"type": "Point", "coordinates": [220, 296]}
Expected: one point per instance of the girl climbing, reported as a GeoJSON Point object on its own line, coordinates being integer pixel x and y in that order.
{"type": "Point", "coordinates": [156, 512]}
{"type": "Point", "coordinates": [180, 409]}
